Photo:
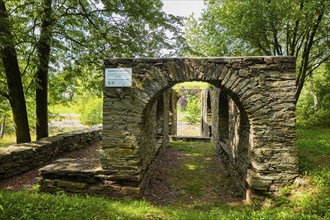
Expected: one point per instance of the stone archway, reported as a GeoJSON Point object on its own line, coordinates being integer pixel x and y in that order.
{"type": "Point", "coordinates": [262, 88]}
{"type": "Point", "coordinates": [179, 99]}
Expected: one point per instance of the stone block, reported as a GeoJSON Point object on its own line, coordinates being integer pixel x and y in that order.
{"type": "Point", "coordinates": [70, 184]}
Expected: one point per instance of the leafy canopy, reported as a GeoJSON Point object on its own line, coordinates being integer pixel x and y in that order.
{"type": "Point", "coordinates": [297, 28]}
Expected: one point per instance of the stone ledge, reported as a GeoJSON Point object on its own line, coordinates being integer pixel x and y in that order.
{"type": "Point", "coordinates": [84, 176]}
{"type": "Point", "coordinates": [19, 158]}
{"type": "Point", "coordinates": [190, 138]}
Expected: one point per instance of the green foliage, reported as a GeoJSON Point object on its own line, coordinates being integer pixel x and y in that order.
{"type": "Point", "coordinates": [313, 108]}
{"type": "Point", "coordinates": [86, 31]}
{"type": "Point", "coordinates": [6, 117]}
{"type": "Point", "coordinates": [70, 108]}
{"type": "Point", "coordinates": [193, 110]}
{"type": "Point", "coordinates": [234, 27]}
{"type": "Point", "coordinates": [81, 34]}
{"type": "Point", "coordinates": [257, 27]}
{"type": "Point", "coordinates": [1, 207]}
{"type": "Point", "coordinates": [91, 113]}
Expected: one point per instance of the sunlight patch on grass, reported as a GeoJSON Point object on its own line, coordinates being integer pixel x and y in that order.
{"type": "Point", "coordinates": [138, 209]}
{"type": "Point", "coordinates": [65, 109]}
{"type": "Point", "coordinates": [191, 166]}
{"type": "Point", "coordinates": [7, 140]}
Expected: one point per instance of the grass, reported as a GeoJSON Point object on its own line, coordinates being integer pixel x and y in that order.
{"type": "Point", "coordinates": [7, 140]}
{"type": "Point", "coordinates": [11, 138]}
{"type": "Point", "coordinates": [314, 148]}
{"type": "Point", "coordinates": [56, 111]}
{"type": "Point", "coordinates": [65, 109]}
{"type": "Point", "coordinates": [25, 205]}
{"type": "Point", "coordinates": [187, 177]}
{"type": "Point", "coordinates": [309, 199]}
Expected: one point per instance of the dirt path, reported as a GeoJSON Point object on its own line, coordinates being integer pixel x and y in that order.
{"type": "Point", "coordinates": [191, 176]}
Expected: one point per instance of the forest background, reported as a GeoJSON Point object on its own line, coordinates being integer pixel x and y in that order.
{"type": "Point", "coordinates": [52, 51]}
{"type": "Point", "coordinates": [51, 65]}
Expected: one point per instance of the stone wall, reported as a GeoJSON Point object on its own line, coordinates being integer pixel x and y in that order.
{"type": "Point", "coordinates": [173, 120]}
{"type": "Point", "coordinates": [184, 92]}
{"type": "Point", "coordinates": [17, 159]}
{"type": "Point", "coordinates": [262, 89]}
{"type": "Point", "coordinates": [206, 116]}
{"type": "Point", "coordinates": [155, 136]}
{"type": "Point", "coordinates": [231, 135]}
{"type": "Point", "coordinates": [253, 125]}
{"type": "Point", "coordinates": [238, 145]}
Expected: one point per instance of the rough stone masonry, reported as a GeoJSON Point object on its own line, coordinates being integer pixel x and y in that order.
{"type": "Point", "coordinates": [253, 120]}
{"type": "Point", "coordinates": [260, 150]}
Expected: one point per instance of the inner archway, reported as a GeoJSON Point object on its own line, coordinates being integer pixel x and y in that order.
{"type": "Point", "coordinates": [224, 119]}
{"type": "Point", "coordinates": [190, 107]}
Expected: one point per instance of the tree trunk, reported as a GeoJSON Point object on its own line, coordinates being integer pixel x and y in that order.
{"type": "Point", "coordinates": [14, 81]}
{"type": "Point", "coordinates": [300, 85]}
{"type": "Point", "coordinates": [44, 49]}
{"type": "Point", "coordinates": [2, 126]}
{"type": "Point", "coordinates": [307, 51]}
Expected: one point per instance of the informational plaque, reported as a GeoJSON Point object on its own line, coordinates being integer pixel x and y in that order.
{"type": "Point", "coordinates": [118, 77]}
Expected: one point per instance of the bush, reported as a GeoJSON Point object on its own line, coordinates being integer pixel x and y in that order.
{"type": "Point", "coordinates": [313, 107]}
{"type": "Point", "coordinates": [91, 113]}
{"type": "Point", "coordinates": [193, 109]}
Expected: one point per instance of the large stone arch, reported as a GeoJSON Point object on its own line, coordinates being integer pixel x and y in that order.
{"type": "Point", "coordinates": [261, 87]}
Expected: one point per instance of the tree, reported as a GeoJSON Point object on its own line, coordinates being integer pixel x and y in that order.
{"type": "Point", "coordinates": [52, 36]}
{"type": "Point", "coordinates": [193, 109]}
{"type": "Point", "coordinates": [15, 93]}
{"type": "Point", "coordinates": [313, 107]}
{"type": "Point", "coordinates": [43, 53]}
{"type": "Point", "coordinates": [297, 28]}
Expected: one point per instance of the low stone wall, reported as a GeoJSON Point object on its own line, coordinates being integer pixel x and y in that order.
{"type": "Point", "coordinates": [17, 159]}
{"type": "Point", "coordinates": [86, 176]}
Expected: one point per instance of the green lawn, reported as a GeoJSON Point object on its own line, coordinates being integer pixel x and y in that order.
{"type": "Point", "coordinates": [65, 109]}
{"type": "Point", "coordinates": [314, 148]}
{"type": "Point", "coordinates": [55, 112]}
{"type": "Point", "coordinates": [7, 141]}
{"type": "Point", "coordinates": [309, 200]}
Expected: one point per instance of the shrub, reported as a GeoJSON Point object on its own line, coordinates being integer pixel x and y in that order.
{"type": "Point", "coordinates": [314, 102]}
{"type": "Point", "coordinates": [91, 113]}
{"type": "Point", "coordinates": [193, 109]}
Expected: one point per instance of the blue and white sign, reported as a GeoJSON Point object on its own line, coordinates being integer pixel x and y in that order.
{"type": "Point", "coordinates": [118, 77]}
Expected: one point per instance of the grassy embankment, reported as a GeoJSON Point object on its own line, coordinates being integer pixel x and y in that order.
{"type": "Point", "coordinates": [307, 201]}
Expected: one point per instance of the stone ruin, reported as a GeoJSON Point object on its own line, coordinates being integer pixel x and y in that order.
{"type": "Point", "coordinates": [175, 96]}
{"type": "Point", "coordinates": [250, 115]}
